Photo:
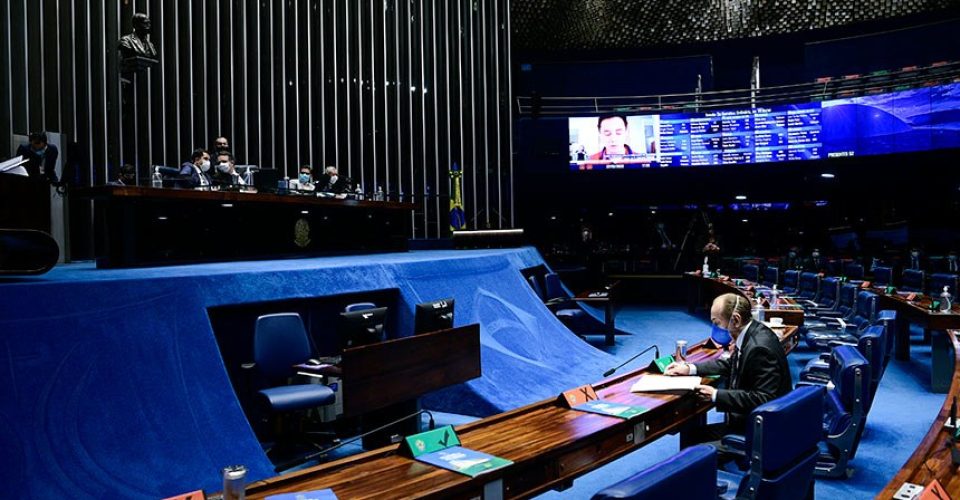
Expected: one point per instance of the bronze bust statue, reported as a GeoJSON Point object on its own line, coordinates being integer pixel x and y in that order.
{"type": "Point", "coordinates": [136, 49]}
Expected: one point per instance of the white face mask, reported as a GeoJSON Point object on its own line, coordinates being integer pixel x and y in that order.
{"type": "Point", "coordinates": [205, 165]}
{"type": "Point", "coordinates": [224, 167]}
{"type": "Point", "coordinates": [333, 179]}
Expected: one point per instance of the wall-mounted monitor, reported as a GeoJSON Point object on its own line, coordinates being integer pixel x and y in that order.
{"type": "Point", "coordinates": [897, 122]}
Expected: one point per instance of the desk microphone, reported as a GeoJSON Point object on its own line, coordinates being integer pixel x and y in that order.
{"type": "Point", "coordinates": [656, 352]}
{"type": "Point", "coordinates": [321, 454]}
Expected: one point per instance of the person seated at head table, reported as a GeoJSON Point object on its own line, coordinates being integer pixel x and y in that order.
{"type": "Point", "coordinates": [221, 145]}
{"type": "Point", "coordinates": [195, 173]}
{"type": "Point", "coordinates": [124, 176]}
{"type": "Point", "coordinates": [756, 372]}
{"type": "Point", "coordinates": [225, 173]}
{"type": "Point", "coordinates": [304, 181]}
{"type": "Point", "coordinates": [816, 263]}
{"type": "Point", "coordinates": [41, 158]}
{"type": "Point", "coordinates": [332, 182]}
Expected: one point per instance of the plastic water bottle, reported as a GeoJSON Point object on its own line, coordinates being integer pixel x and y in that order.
{"type": "Point", "coordinates": [706, 267]}
{"type": "Point", "coordinates": [283, 185]}
{"type": "Point", "coordinates": [774, 298]}
{"type": "Point", "coordinates": [378, 196]}
{"type": "Point", "coordinates": [359, 192]}
{"type": "Point", "coordinates": [946, 300]}
{"type": "Point", "coordinates": [156, 180]}
{"type": "Point", "coordinates": [757, 311]}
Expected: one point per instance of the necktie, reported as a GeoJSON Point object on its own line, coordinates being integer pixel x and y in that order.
{"type": "Point", "coordinates": [735, 368]}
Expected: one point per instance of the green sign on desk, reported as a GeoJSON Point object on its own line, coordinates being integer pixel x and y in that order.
{"type": "Point", "coordinates": [611, 409]}
{"type": "Point", "coordinates": [663, 363]}
{"type": "Point", "coordinates": [441, 448]}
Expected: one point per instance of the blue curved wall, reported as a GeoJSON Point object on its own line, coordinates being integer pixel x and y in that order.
{"type": "Point", "coordinates": [112, 384]}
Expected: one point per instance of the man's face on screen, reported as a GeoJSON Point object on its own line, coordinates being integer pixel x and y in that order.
{"type": "Point", "coordinates": [613, 135]}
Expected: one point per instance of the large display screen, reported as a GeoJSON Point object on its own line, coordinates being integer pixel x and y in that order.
{"type": "Point", "coordinates": [911, 120]}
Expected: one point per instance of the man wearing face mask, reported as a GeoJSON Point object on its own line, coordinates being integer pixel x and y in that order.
{"type": "Point", "coordinates": [792, 260]}
{"type": "Point", "coordinates": [304, 181]}
{"type": "Point", "coordinates": [195, 173]}
{"type": "Point", "coordinates": [226, 173]}
{"type": "Point", "coordinates": [816, 263]}
{"type": "Point", "coordinates": [950, 263]}
{"type": "Point", "coordinates": [41, 158]}
{"type": "Point", "coordinates": [332, 182]}
{"type": "Point", "coordinates": [755, 372]}
{"type": "Point", "coordinates": [916, 260]}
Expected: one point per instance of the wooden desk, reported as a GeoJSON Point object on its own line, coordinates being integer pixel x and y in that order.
{"type": "Point", "coordinates": [916, 312]}
{"type": "Point", "coordinates": [931, 460]}
{"type": "Point", "coordinates": [549, 445]}
{"type": "Point", "coordinates": [139, 226]}
{"type": "Point", "coordinates": [703, 290]}
{"type": "Point", "coordinates": [378, 375]}
{"type": "Point", "coordinates": [607, 299]}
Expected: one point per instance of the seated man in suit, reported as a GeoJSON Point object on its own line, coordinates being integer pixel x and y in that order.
{"type": "Point", "coordinates": [332, 182]}
{"type": "Point", "coordinates": [226, 172]}
{"type": "Point", "coordinates": [195, 172]}
{"type": "Point", "coordinates": [816, 263]}
{"type": "Point", "coordinates": [756, 371]}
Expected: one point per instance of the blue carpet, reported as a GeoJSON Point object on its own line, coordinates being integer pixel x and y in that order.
{"type": "Point", "coordinates": [901, 414]}
{"type": "Point", "coordinates": [112, 384]}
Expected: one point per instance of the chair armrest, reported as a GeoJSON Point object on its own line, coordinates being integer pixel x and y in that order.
{"type": "Point", "coordinates": [248, 366]}
{"type": "Point", "coordinates": [837, 343]}
{"type": "Point", "coordinates": [735, 444]}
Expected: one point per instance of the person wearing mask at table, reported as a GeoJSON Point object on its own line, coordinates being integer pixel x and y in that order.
{"type": "Point", "coordinates": [41, 158]}
{"type": "Point", "coordinates": [304, 180]}
{"type": "Point", "coordinates": [915, 260]}
{"type": "Point", "coordinates": [124, 176]}
{"type": "Point", "coordinates": [816, 263]}
{"type": "Point", "coordinates": [792, 260]}
{"type": "Point", "coordinates": [755, 372]}
{"type": "Point", "coordinates": [332, 182]}
{"type": "Point", "coordinates": [949, 264]}
{"type": "Point", "coordinates": [225, 172]}
{"type": "Point", "coordinates": [195, 173]}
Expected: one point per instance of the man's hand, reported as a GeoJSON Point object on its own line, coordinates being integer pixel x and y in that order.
{"type": "Point", "coordinates": [677, 368]}
{"type": "Point", "coordinates": [706, 392]}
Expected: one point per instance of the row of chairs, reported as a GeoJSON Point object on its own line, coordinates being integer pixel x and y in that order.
{"type": "Point", "coordinates": [794, 281]}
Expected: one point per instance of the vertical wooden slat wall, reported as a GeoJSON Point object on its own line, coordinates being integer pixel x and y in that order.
{"type": "Point", "coordinates": [393, 92]}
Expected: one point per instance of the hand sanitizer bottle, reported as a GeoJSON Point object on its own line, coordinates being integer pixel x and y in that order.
{"type": "Point", "coordinates": [946, 300]}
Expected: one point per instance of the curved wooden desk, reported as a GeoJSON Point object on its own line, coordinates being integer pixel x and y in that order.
{"type": "Point", "coordinates": [549, 445]}
{"type": "Point", "coordinates": [932, 459]}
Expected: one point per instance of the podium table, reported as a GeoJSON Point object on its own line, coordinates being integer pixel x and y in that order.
{"type": "Point", "coordinates": [140, 226]}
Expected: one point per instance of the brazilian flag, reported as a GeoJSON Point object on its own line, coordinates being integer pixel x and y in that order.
{"type": "Point", "coordinates": [457, 219]}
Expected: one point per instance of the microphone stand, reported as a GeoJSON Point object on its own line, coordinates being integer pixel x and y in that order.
{"type": "Point", "coordinates": [322, 453]}
{"type": "Point", "coordinates": [612, 370]}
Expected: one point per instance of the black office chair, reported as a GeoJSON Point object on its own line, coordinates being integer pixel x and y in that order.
{"type": "Point", "coordinates": [280, 342]}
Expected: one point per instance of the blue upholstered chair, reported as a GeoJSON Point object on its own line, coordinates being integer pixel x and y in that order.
{"type": "Point", "coordinates": [771, 276]}
{"type": "Point", "coordinates": [809, 287]}
{"type": "Point", "coordinates": [882, 276]}
{"type": "Point", "coordinates": [827, 299]}
{"type": "Point", "coordinates": [359, 306]}
{"type": "Point", "coordinates": [791, 281]}
{"type": "Point", "coordinates": [535, 285]}
{"type": "Point", "coordinates": [939, 280]}
{"type": "Point", "coordinates": [872, 345]}
{"type": "Point", "coordinates": [912, 280]}
{"type": "Point", "coordinates": [853, 271]}
{"type": "Point", "coordinates": [845, 411]}
{"type": "Point", "coordinates": [751, 272]}
{"type": "Point", "coordinates": [567, 311]}
{"type": "Point", "coordinates": [822, 336]}
{"type": "Point", "coordinates": [780, 448]}
{"type": "Point", "coordinates": [553, 287]}
{"type": "Point", "coordinates": [280, 342]}
{"type": "Point", "coordinates": [692, 473]}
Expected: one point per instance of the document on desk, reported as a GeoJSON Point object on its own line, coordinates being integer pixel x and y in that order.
{"type": "Point", "coordinates": [660, 383]}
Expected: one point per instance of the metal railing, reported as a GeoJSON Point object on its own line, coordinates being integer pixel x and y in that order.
{"type": "Point", "coordinates": [822, 89]}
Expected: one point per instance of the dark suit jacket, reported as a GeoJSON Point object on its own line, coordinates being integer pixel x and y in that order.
{"type": "Point", "coordinates": [341, 186]}
{"type": "Point", "coordinates": [49, 161]}
{"type": "Point", "coordinates": [764, 375]}
{"type": "Point", "coordinates": [190, 177]}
